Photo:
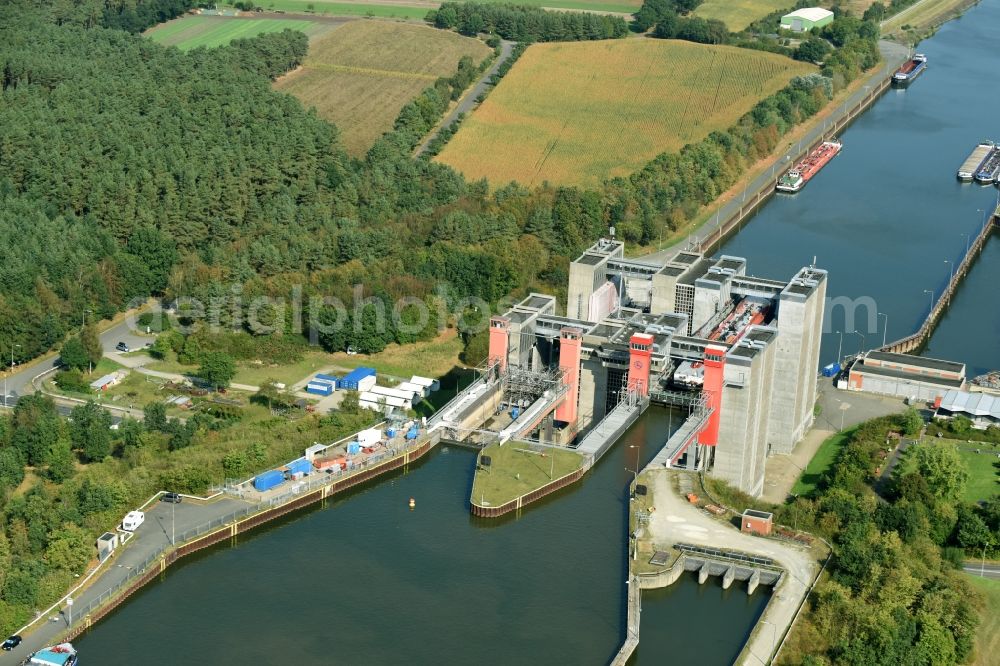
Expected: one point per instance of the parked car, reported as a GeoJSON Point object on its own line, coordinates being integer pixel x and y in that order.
{"type": "Point", "coordinates": [173, 498]}
{"type": "Point", "coordinates": [11, 643]}
{"type": "Point", "coordinates": [122, 347]}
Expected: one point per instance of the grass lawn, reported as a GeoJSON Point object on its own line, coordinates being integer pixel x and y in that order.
{"type": "Point", "coordinates": [821, 462]}
{"type": "Point", "coordinates": [311, 363]}
{"type": "Point", "coordinates": [516, 470]}
{"type": "Point", "coordinates": [983, 468]}
{"type": "Point", "coordinates": [433, 358]}
{"type": "Point", "coordinates": [988, 633]}
{"type": "Point", "coordinates": [190, 32]}
{"type": "Point", "coordinates": [360, 75]}
{"type": "Point", "coordinates": [577, 113]}
{"type": "Point", "coordinates": [738, 14]}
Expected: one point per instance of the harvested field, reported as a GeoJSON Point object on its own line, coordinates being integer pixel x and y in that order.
{"type": "Point", "coordinates": [189, 32]}
{"type": "Point", "coordinates": [419, 8]}
{"type": "Point", "coordinates": [738, 14]}
{"type": "Point", "coordinates": [360, 75]}
{"type": "Point", "coordinates": [578, 113]}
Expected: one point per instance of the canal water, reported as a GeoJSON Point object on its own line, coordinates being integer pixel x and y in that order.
{"type": "Point", "coordinates": [368, 581]}
{"type": "Point", "coordinates": [887, 213]}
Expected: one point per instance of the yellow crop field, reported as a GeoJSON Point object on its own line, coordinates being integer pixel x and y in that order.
{"type": "Point", "coordinates": [738, 14]}
{"type": "Point", "coordinates": [361, 74]}
{"type": "Point", "coordinates": [580, 112]}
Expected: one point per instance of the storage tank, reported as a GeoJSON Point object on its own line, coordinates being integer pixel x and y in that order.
{"type": "Point", "coordinates": [268, 480]}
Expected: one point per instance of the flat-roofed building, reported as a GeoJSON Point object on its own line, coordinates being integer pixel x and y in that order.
{"type": "Point", "coordinates": [905, 375]}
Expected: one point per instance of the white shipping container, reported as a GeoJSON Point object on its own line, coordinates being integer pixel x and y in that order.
{"type": "Point", "coordinates": [416, 389]}
{"type": "Point", "coordinates": [367, 383]}
{"type": "Point", "coordinates": [369, 437]}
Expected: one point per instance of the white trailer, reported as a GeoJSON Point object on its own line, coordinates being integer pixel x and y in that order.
{"type": "Point", "coordinates": [132, 520]}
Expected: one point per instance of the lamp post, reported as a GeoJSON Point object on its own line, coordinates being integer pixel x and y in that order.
{"type": "Point", "coordinates": [931, 292]}
{"type": "Point", "coordinates": [861, 348]}
{"type": "Point", "coordinates": [885, 328]}
{"type": "Point", "coordinates": [967, 242]}
{"type": "Point", "coordinates": [840, 346]}
{"type": "Point", "coordinates": [951, 270]}
{"type": "Point", "coordinates": [9, 371]}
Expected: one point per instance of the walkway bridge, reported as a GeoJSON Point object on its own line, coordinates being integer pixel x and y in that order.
{"type": "Point", "coordinates": [916, 340]}
{"type": "Point", "coordinates": [614, 424]}
{"type": "Point", "coordinates": [687, 434]}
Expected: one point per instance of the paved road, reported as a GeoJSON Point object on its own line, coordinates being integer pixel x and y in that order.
{"type": "Point", "coordinates": [989, 570]}
{"type": "Point", "coordinates": [152, 537]}
{"type": "Point", "coordinates": [469, 100]}
{"type": "Point", "coordinates": [893, 55]}
{"type": "Point", "coordinates": [19, 383]}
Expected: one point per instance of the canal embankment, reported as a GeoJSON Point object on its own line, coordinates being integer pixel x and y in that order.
{"type": "Point", "coordinates": [915, 341]}
{"type": "Point", "coordinates": [102, 599]}
{"type": "Point", "coordinates": [743, 200]}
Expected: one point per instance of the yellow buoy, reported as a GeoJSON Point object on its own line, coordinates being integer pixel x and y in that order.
{"type": "Point", "coordinates": [413, 503]}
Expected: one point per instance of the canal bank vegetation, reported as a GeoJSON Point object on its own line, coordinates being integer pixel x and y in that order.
{"type": "Point", "coordinates": [893, 592]}
{"type": "Point", "coordinates": [63, 483]}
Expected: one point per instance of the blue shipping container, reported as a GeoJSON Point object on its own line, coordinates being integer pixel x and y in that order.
{"type": "Point", "coordinates": [390, 433]}
{"type": "Point", "coordinates": [327, 378]}
{"type": "Point", "coordinates": [412, 433]}
{"type": "Point", "coordinates": [319, 388]}
{"type": "Point", "coordinates": [300, 465]}
{"type": "Point", "coordinates": [831, 370]}
{"type": "Point", "coordinates": [514, 413]}
{"type": "Point", "coordinates": [350, 380]}
{"type": "Point", "coordinates": [353, 448]}
{"type": "Point", "coordinates": [268, 480]}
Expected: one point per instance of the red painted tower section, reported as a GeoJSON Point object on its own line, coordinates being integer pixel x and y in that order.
{"type": "Point", "coordinates": [570, 340]}
{"type": "Point", "coordinates": [499, 341]}
{"type": "Point", "coordinates": [715, 365]}
{"type": "Point", "coordinates": [640, 354]}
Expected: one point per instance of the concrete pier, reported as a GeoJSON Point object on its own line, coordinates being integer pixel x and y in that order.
{"type": "Point", "coordinates": [915, 341]}
{"type": "Point", "coordinates": [753, 582]}
{"type": "Point", "coordinates": [730, 576]}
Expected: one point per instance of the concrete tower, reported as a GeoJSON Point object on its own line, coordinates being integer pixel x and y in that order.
{"type": "Point", "coordinates": [796, 358]}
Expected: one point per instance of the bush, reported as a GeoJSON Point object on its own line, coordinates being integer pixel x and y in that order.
{"type": "Point", "coordinates": [72, 381]}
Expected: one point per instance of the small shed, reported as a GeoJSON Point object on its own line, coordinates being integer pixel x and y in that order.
{"type": "Point", "coordinates": [807, 18]}
{"type": "Point", "coordinates": [757, 522]}
{"type": "Point", "coordinates": [106, 544]}
{"type": "Point", "coordinates": [315, 450]}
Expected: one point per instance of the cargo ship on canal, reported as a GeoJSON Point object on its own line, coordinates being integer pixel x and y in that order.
{"type": "Point", "coordinates": [989, 170]}
{"type": "Point", "coordinates": [910, 70]}
{"type": "Point", "coordinates": [796, 178]}
{"type": "Point", "coordinates": [975, 161]}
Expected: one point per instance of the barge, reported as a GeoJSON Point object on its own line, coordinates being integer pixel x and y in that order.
{"type": "Point", "coordinates": [989, 170]}
{"type": "Point", "coordinates": [975, 160]}
{"type": "Point", "coordinates": [796, 178]}
{"type": "Point", "coordinates": [57, 655]}
{"type": "Point", "coordinates": [910, 70]}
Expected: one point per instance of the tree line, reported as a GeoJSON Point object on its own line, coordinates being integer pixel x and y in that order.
{"type": "Point", "coordinates": [895, 593]}
{"type": "Point", "coordinates": [523, 23]}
